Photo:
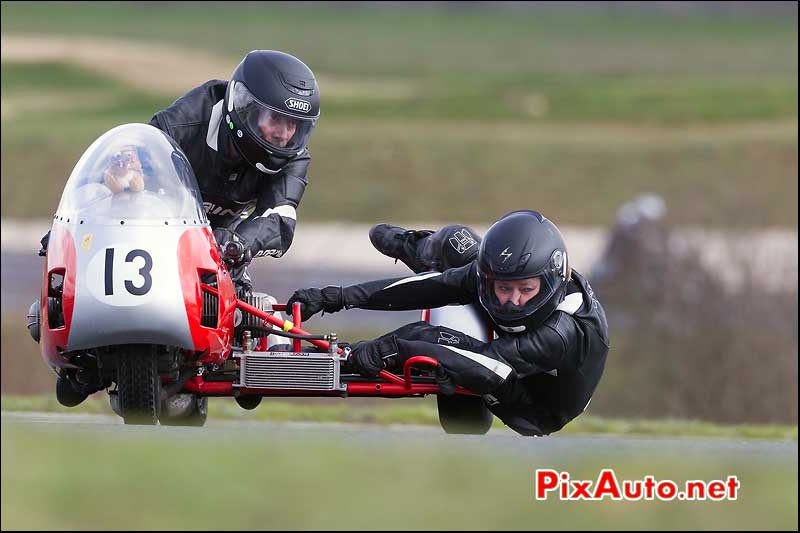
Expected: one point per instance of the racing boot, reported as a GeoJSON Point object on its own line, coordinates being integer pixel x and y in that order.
{"type": "Point", "coordinates": [400, 244]}
{"type": "Point", "coordinates": [425, 250]}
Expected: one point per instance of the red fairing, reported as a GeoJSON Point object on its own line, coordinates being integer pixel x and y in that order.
{"type": "Point", "coordinates": [197, 252]}
{"type": "Point", "coordinates": [60, 258]}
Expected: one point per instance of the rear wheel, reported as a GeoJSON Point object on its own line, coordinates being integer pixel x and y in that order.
{"type": "Point", "coordinates": [465, 415]}
{"type": "Point", "coordinates": [184, 410]}
{"type": "Point", "coordinates": [139, 384]}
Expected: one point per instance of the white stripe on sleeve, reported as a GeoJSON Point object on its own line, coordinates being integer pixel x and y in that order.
{"type": "Point", "coordinates": [282, 210]}
{"type": "Point", "coordinates": [412, 279]}
{"type": "Point", "coordinates": [213, 126]}
{"type": "Point", "coordinates": [498, 367]}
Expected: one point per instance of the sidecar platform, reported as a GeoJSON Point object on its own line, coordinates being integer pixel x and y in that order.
{"type": "Point", "coordinates": [255, 371]}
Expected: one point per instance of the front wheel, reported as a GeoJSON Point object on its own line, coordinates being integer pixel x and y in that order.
{"type": "Point", "coordinates": [465, 415]}
{"type": "Point", "coordinates": [139, 384]}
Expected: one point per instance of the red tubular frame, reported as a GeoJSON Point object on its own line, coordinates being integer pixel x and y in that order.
{"type": "Point", "coordinates": [226, 388]}
{"type": "Point", "coordinates": [418, 359]}
{"type": "Point", "coordinates": [394, 386]}
{"type": "Point", "coordinates": [296, 318]}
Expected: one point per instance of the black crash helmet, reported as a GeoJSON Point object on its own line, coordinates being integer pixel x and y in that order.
{"type": "Point", "coordinates": [520, 246]}
{"type": "Point", "coordinates": [271, 107]}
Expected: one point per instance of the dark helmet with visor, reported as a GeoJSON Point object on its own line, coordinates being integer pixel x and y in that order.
{"type": "Point", "coordinates": [521, 245]}
{"type": "Point", "coordinates": [271, 108]}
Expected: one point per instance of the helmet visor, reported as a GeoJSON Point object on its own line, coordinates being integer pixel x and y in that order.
{"type": "Point", "coordinates": [277, 131]}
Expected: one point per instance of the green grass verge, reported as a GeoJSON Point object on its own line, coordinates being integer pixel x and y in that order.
{"type": "Point", "coordinates": [576, 174]}
{"type": "Point", "coordinates": [524, 95]}
{"type": "Point", "coordinates": [414, 412]}
{"type": "Point", "coordinates": [56, 477]}
{"type": "Point", "coordinates": [550, 109]}
{"type": "Point", "coordinates": [434, 41]}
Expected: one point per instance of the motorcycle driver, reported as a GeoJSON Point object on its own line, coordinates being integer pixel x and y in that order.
{"type": "Point", "coordinates": [551, 336]}
{"type": "Point", "coordinates": [246, 140]}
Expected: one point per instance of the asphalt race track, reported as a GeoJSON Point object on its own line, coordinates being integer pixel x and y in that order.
{"type": "Point", "coordinates": [555, 447]}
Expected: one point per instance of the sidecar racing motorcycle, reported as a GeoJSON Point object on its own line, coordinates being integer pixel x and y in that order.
{"type": "Point", "coordinates": [136, 300]}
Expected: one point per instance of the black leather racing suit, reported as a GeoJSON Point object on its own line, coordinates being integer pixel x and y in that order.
{"type": "Point", "coordinates": [228, 185]}
{"type": "Point", "coordinates": [535, 381]}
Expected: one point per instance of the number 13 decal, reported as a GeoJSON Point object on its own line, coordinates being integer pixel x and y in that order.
{"type": "Point", "coordinates": [144, 272]}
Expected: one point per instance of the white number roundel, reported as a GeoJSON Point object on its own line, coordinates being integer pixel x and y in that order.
{"type": "Point", "coordinates": [123, 275]}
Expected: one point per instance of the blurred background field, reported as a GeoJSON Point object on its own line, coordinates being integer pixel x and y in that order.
{"type": "Point", "coordinates": [446, 111]}
{"type": "Point", "coordinates": [239, 476]}
{"type": "Point", "coordinates": [426, 109]}
{"type": "Point", "coordinates": [442, 112]}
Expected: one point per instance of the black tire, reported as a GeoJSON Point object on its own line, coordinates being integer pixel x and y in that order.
{"type": "Point", "coordinates": [464, 415]}
{"type": "Point", "coordinates": [196, 417]}
{"type": "Point", "coordinates": [248, 402]}
{"type": "Point", "coordinates": [113, 400]}
{"type": "Point", "coordinates": [139, 385]}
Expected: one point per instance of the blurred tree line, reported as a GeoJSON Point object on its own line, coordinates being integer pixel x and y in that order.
{"type": "Point", "coordinates": [685, 344]}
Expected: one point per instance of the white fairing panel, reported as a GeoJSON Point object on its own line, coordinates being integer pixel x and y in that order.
{"type": "Point", "coordinates": [135, 173]}
{"type": "Point", "coordinates": [463, 318]}
{"type": "Point", "coordinates": [126, 203]}
{"type": "Point", "coordinates": [127, 288]}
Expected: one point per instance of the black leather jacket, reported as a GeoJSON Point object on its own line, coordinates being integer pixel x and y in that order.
{"type": "Point", "coordinates": [228, 185]}
{"type": "Point", "coordinates": [563, 342]}
{"type": "Point", "coordinates": [556, 367]}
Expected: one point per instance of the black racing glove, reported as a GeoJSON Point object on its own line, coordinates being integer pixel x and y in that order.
{"type": "Point", "coordinates": [368, 358]}
{"type": "Point", "coordinates": [314, 300]}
